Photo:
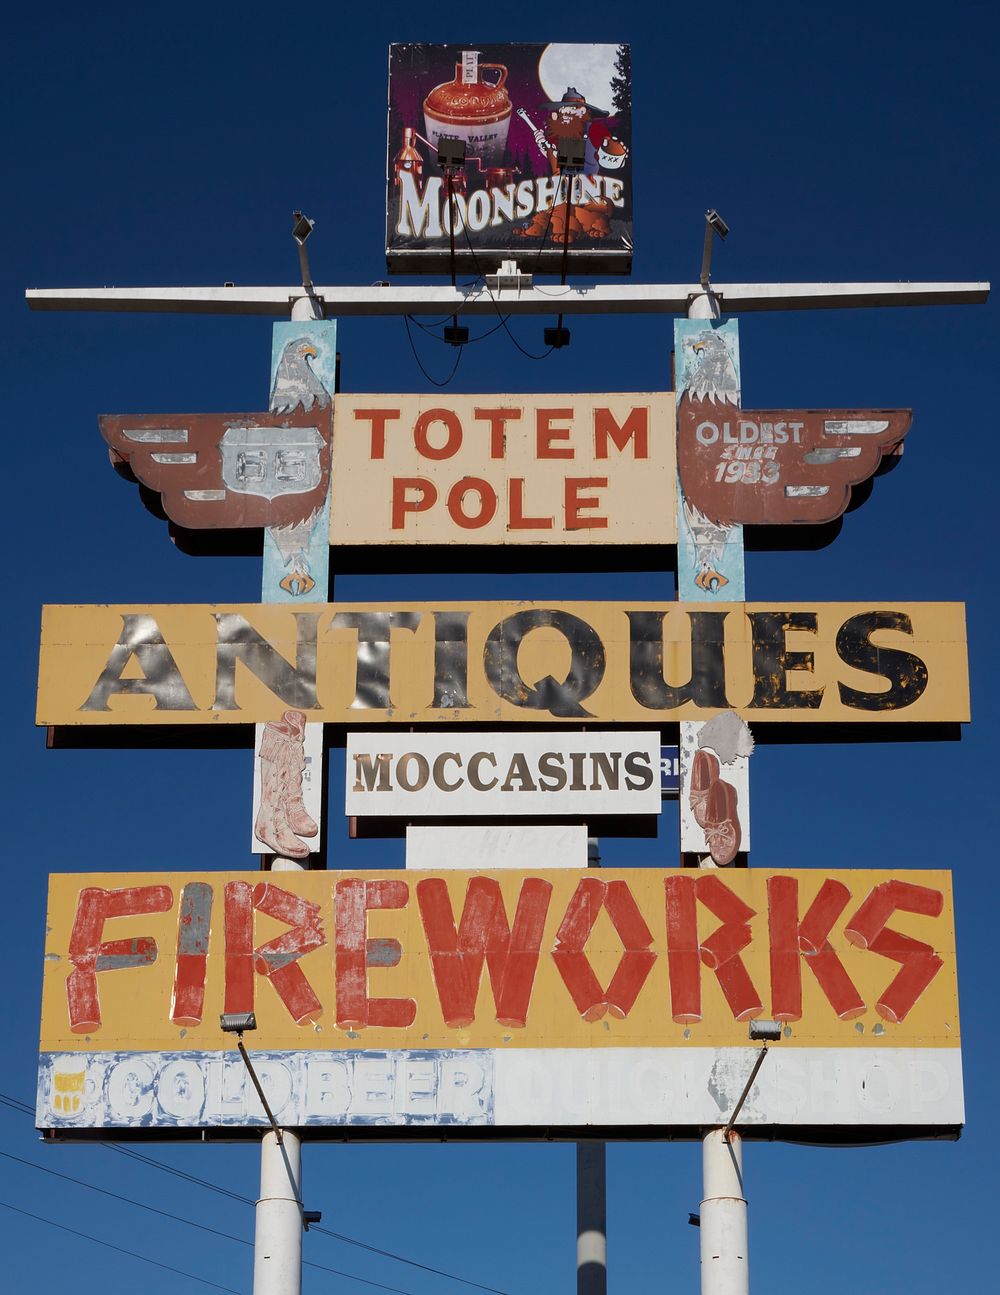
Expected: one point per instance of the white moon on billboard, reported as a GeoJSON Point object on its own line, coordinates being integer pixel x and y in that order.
{"type": "Point", "coordinates": [587, 68]}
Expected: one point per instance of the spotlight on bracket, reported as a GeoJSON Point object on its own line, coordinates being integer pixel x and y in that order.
{"type": "Point", "coordinates": [237, 1022]}
{"type": "Point", "coordinates": [556, 337]}
{"type": "Point", "coordinates": [451, 153]}
{"type": "Point", "coordinates": [570, 154]}
{"type": "Point", "coordinates": [311, 1216]}
{"type": "Point", "coordinates": [765, 1031]}
{"type": "Point", "coordinates": [456, 334]}
{"type": "Point", "coordinates": [302, 227]}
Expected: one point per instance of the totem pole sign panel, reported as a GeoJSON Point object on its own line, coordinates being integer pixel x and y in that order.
{"type": "Point", "coordinates": [543, 165]}
{"type": "Point", "coordinates": [504, 469]}
{"type": "Point", "coordinates": [511, 1002]}
{"type": "Point", "coordinates": [509, 662]}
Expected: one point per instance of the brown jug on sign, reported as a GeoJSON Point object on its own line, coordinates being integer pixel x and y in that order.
{"type": "Point", "coordinates": [471, 108]}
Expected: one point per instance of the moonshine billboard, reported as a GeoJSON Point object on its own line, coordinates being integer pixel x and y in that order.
{"type": "Point", "coordinates": [538, 139]}
{"type": "Point", "coordinates": [508, 662]}
{"type": "Point", "coordinates": [508, 1003]}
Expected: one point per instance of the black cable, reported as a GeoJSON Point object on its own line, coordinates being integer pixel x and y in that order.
{"type": "Point", "coordinates": [120, 1249]}
{"type": "Point", "coordinates": [529, 354]}
{"type": "Point", "coordinates": [433, 381]}
{"type": "Point", "coordinates": [14, 1103]}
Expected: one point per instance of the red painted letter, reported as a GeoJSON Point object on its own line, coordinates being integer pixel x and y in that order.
{"type": "Point", "coordinates": [791, 940]}
{"type": "Point", "coordinates": [920, 964]}
{"type": "Point", "coordinates": [355, 953]}
{"type": "Point", "coordinates": [720, 951]}
{"type": "Point", "coordinates": [484, 933]}
{"type": "Point", "coordinates": [89, 954]}
{"type": "Point", "coordinates": [636, 960]}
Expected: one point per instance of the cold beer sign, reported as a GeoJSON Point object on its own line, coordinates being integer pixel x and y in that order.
{"type": "Point", "coordinates": [523, 1000]}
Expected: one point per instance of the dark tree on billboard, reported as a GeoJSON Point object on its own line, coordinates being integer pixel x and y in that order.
{"type": "Point", "coordinates": [621, 82]}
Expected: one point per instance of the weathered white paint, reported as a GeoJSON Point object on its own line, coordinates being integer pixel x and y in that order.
{"type": "Point", "coordinates": [678, 1089]}
{"type": "Point", "coordinates": [490, 848]}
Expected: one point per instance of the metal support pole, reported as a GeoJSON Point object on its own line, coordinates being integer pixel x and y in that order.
{"type": "Point", "coordinates": [277, 1253]}
{"type": "Point", "coordinates": [591, 1219]}
{"type": "Point", "coordinates": [723, 1231]}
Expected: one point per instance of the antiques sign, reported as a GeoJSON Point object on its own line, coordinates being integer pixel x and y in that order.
{"type": "Point", "coordinates": [510, 1000]}
{"type": "Point", "coordinates": [619, 663]}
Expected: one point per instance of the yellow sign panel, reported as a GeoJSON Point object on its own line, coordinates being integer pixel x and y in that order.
{"type": "Point", "coordinates": [632, 958]}
{"type": "Point", "coordinates": [504, 469]}
{"type": "Point", "coordinates": [504, 662]}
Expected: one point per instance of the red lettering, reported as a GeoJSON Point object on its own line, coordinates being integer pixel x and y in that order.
{"type": "Point", "coordinates": [89, 954]}
{"type": "Point", "coordinates": [277, 960]}
{"type": "Point", "coordinates": [497, 419]}
{"type": "Point", "coordinates": [355, 953]}
{"type": "Point", "coordinates": [720, 951]}
{"type": "Point", "coordinates": [487, 503]}
{"type": "Point", "coordinates": [238, 918]}
{"type": "Point", "coordinates": [378, 418]}
{"type": "Point", "coordinates": [518, 520]}
{"type": "Point", "coordinates": [401, 505]}
{"type": "Point", "coordinates": [634, 429]}
{"type": "Point", "coordinates": [452, 442]}
{"type": "Point", "coordinates": [920, 964]}
{"type": "Point", "coordinates": [575, 503]}
{"type": "Point", "coordinates": [484, 934]}
{"type": "Point", "coordinates": [570, 957]}
{"type": "Point", "coordinates": [792, 941]}
{"type": "Point", "coordinates": [545, 434]}
{"type": "Point", "coordinates": [193, 926]}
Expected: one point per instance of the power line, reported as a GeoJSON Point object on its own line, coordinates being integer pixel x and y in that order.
{"type": "Point", "coordinates": [120, 1249]}
{"type": "Point", "coordinates": [18, 1105]}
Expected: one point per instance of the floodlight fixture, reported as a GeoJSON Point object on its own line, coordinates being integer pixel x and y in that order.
{"type": "Point", "coordinates": [451, 153]}
{"type": "Point", "coordinates": [714, 224]}
{"type": "Point", "coordinates": [694, 1220]}
{"type": "Point", "coordinates": [764, 1031]}
{"type": "Point", "coordinates": [456, 334]}
{"type": "Point", "coordinates": [570, 154]}
{"type": "Point", "coordinates": [311, 1216]}
{"type": "Point", "coordinates": [556, 338]}
{"type": "Point", "coordinates": [237, 1022]}
{"type": "Point", "coordinates": [302, 227]}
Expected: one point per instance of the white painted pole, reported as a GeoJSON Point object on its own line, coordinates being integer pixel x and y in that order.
{"type": "Point", "coordinates": [277, 1252]}
{"type": "Point", "coordinates": [591, 1219]}
{"type": "Point", "coordinates": [725, 1269]}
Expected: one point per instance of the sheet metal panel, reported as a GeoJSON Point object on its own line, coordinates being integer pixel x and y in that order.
{"type": "Point", "coordinates": [502, 775]}
{"type": "Point", "coordinates": [514, 106]}
{"type": "Point", "coordinates": [503, 1000]}
{"type": "Point", "coordinates": [637, 663]}
{"type": "Point", "coordinates": [504, 469]}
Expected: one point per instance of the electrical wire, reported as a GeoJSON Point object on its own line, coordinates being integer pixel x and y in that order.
{"type": "Point", "coordinates": [120, 1249]}
{"type": "Point", "coordinates": [529, 354]}
{"type": "Point", "coordinates": [22, 1107]}
{"type": "Point", "coordinates": [434, 381]}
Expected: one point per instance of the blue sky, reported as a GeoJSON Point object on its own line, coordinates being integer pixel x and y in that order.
{"type": "Point", "coordinates": [169, 145]}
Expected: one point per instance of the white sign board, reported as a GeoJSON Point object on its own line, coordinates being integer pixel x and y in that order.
{"type": "Point", "coordinates": [426, 775]}
{"type": "Point", "coordinates": [490, 848]}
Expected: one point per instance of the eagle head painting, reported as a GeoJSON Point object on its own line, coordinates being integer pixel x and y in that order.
{"type": "Point", "coordinates": [764, 467]}
{"type": "Point", "coordinates": [241, 471]}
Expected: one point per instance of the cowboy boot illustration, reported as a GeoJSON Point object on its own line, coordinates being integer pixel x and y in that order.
{"type": "Point", "coordinates": [282, 813]}
{"type": "Point", "coordinates": [293, 763]}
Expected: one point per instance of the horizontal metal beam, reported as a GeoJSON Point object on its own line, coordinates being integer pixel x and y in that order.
{"type": "Point", "coordinates": [636, 299]}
